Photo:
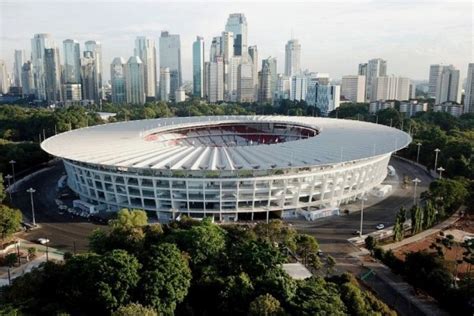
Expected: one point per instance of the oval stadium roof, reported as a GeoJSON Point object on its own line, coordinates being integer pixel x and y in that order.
{"type": "Point", "coordinates": [124, 144]}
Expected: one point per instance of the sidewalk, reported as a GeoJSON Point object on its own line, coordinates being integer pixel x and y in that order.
{"type": "Point", "coordinates": [434, 230]}
{"type": "Point", "coordinates": [53, 254]}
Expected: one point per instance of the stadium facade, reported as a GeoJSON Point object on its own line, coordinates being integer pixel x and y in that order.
{"type": "Point", "coordinates": [226, 166]}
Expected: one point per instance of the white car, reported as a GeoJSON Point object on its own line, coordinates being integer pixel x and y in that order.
{"type": "Point", "coordinates": [380, 226]}
{"type": "Point", "coordinates": [43, 241]}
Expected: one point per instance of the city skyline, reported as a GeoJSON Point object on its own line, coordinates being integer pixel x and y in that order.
{"type": "Point", "coordinates": [395, 37]}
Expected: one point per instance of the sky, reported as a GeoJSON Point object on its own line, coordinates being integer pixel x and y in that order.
{"type": "Point", "coordinates": [335, 35]}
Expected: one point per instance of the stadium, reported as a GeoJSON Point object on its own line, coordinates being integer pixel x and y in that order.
{"type": "Point", "coordinates": [226, 166]}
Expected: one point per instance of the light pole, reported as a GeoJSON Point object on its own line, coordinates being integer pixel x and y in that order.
{"type": "Point", "coordinates": [363, 199]}
{"type": "Point", "coordinates": [418, 152]}
{"type": "Point", "coordinates": [31, 191]}
{"type": "Point", "coordinates": [415, 181]}
{"type": "Point", "coordinates": [441, 169]}
{"type": "Point", "coordinates": [437, 150]}
{"type": "Point", "coordinates": [8, 177]}
{"type": "Point", "coordinates": [13, 162]}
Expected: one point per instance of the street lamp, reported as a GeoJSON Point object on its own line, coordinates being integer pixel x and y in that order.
{"type": "Point", "coordinates": [13, 162]}
{"type": "Point", "coordinates": [441, 169]}
{"type": "Point", "coordinates": [8, 177]}
{"type": "Point", "coordinates": [415, 181]}
{"type": "Point", "coordinates": [363, 199]}
{"type": "Point", "coordinates": [31, 191]}
{"type": "Point", "coordinates": [418, 152]}
{"type": "Point", "coordinates": [437, 150]}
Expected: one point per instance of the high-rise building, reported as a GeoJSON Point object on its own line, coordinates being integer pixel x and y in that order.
{"type": "Point", "coordinates": [376, 67]}
{"type": "Point", "coordinates": [170, 57]}
{"type": "Point", "coordinates": [215, 80]}
{"type": "Point", "coordinates": [245, 84]}
{"type": "Point", "coordinates": [327, 98]}
{"type": "Point", "coordinates": [72, 61]}
{"type": "Point", "coordinates": [135, 80]}
{"type": "Point", "coordinates": [362, 70]}
{"type": "Point", "coordinates": [165, 84]}
{"type": "Point", "coordinates": [4, 81]}
{"type": "Point", "coordinates": [292, 57]}
{"type": "Point", "coordinates": [216, 48]}
{"type": "Point", "coordinates": [145, 49]}
{"type": "Point", "coordinates": [283, 87]}
{"type": "Point", "coordinates": [253, 59]}
{"type": "Point", "coordinates": [299, 86]}
{"type": "Point", "coordinates": [96, 47]}
{"type": "Point", "coordinates": [117, 80]}
{"type": "Point", "coordinates": [18, 63]}
{"type": "Point", "coordinates": [232, 78]}
{"type": "Point", "coordinates": [72, 93]}
{"type": "Point", "coordinates": [469, 91]}
{"type": "Point", "coordinates": [227, 45]}
{"type": "Point", "coordinates": [52, 75]}
{"type": "Point", "coordinates": [198, 67]}
{"type": "Point", "coordinates": [180, 95]}
{"type": "Point", "coordinates": [89, 77]}
{"type": "Point", "coordinates": [38, 45]}
{"type": "Point", "coordinates": [353, 88]}
{"type": "Point", "coordinates": [435, 75]}
{"type": "Point", "coordinates": [265, 82]}
{"type": "Point", "coordinates": [27, 79]}
{"type": "Point", "coordinates": [448, 86]}
{"type": "Point", "coordinates": [272, 63]}
{"type": "Point", "coordinates": [390, 88]}
{"type": "Point", "coordinates": [237, 24]}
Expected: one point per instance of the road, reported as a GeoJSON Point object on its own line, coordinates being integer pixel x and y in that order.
{"type": "Point", "coordinates": [332, 232]}
{"type": "Point", "coordinates": [65, 232]}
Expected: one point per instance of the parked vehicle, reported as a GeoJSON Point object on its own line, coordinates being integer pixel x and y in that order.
{"type": "Point", "coordinates": [43, 241]}
{"type": "Point", "coordinates": [380, 226]}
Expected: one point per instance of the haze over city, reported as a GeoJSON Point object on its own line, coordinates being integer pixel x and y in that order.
{"type": "Point", "coordinates": [335, 36]}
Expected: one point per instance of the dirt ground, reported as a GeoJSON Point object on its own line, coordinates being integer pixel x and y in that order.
{"type": "Point", "coordinates": [466, 225]}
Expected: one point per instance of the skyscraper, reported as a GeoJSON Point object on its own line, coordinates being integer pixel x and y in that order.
{"type": "Point", "coordinates": [165, 84]}
{"type": "Point", "coordinates": [253, 59]}
{"type": "Point", "coordinates": [216, 48]}
{"type": "Point", "coordinates": [145, 49]}
{"type": "Point", "coordinates": [292, 57]}
{"type": "Point", "coordinates": [38, 44]}
{"type": "Point", "coordinates": [434, 77]}
{"type": "Point", "coordinates": [170, 57]}
{"type": "Point", "coordinates": [232, 78]}
{"type": "Point", "coordinates": [198, 67]}
{"type": "Point", "coordinates": [89, 77]}
{"type": "Point", "coordinates": [448, 86]}
{"type": "Point", "coordinates": [135, 80]}
{"type": "Point", "coordinates": [27, 79]}
{"type": "Point", "coordinates": [117, 80]}
{"type": "Point", "coordinates": [215, 77]}
{"type": "Point", "coordinates": [18, 63]}
{"type": "Point", "coordinates": [4, 81]}
{"type": "Point", "coordinates": [272, 63]}
{"type": "Point", "coordinates": [227, 40]}
{"type": "Point", "coordinates": [376, 67]}
{"type": "Point", "coordinates": [72, 61]}
{"type": "Point", "coordinates": [245, 85]}
{"type": "Point", "coordinates": [390, 88]}
{"type": "Point", "coordinates": [327, 97]}
{"type": "Point", "coordinates": [52, 79]}
{"type": "Point", "coordinates": [237, 24]}
{"type": "Point", "coordinates": [469, 91]}
{"type": "Point", "coordinates": [298, 88]}
{"type": "Point", "coordinates": [353, 88]}
{"type": "Point", "coordinates": [265, 82]}
{"type": "Point", "coordinates": [96, 48]}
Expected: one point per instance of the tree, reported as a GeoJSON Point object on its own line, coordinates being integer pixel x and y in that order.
{"type": "Point", "coordinates": [127, 219]}
{"type": "Point", "coordinates": [442, 244]}
{"type": "Point", "coordinates": [2, 189]}
{"type": "Point", "coordinates": [398, 229]}
{"type": "Point", "coordinates": [265, 305]}
{"type": "Point", "coordinates": [331, 263]}
{"type": "Point", "coordinates": [314, 296]}
{"type": "Point", "coordinates": [429, 215]}
{"type": "Point", "coordinates": [166, 278]}
{"type": "Point", "coordinates": [134, 309]}
{"type": "Point", "coordinates": [10, 259]}
{"type": "Point", "coordinates": [306, 245]}
{"type": "Point", "coordinates": [451, 193]}
{"type": "Point", "coordinates": [370, 243]}
{"type": "Point", "coordinates": [236, 294]}
{"type": "Point", "coordinates": [416, 214]}
{"type": "Point", "coordinates": [10, 221]}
